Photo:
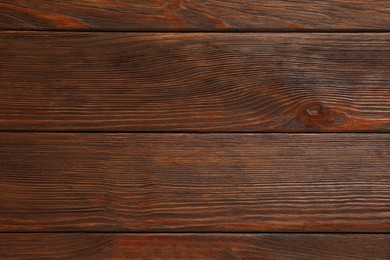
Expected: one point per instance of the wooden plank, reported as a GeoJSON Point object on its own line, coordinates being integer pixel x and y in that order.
{"type": "Point", "coordinates": [194, 82]}
{"type": "Point", "coordinates": [192, 182]}
{"type": "Point", "coordinates": [155, 15]}
{"type": "Point", "coordinates": [194, 246]}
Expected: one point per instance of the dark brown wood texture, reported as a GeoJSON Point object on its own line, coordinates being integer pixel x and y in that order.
{"type": "Point", "coordinates": [193, 182]}
{"type": "Point", "coordinates": [194, 82]}
{"type": "Point", "coordinates": [92, 70]}
{"type": "Point", "coordinates": [194, 246]}
{"type": "Point", "coordinates": [195, 15]}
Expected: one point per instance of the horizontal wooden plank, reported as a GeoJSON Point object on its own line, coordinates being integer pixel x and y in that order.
{"type": "Point", "coordinates": [195, 15]}
{"type": "Point", "coordinates": [192, 182]}
{"type": "Point", "coordinates": [194, 82]}
{"type": "Point", "coordinates": [194, 246]}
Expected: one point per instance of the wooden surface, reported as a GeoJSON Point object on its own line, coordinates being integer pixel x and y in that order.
{"type": "Point", "coordinates": [190, 182]}
{"type": "Point", "coordinates": [195, 129]}
{"type": "Point", "coordinates": [194, 246]}
{"type": "Point", "coordinates": [155, 15]}
{"type": "Point", "coordinates": [55, 81]}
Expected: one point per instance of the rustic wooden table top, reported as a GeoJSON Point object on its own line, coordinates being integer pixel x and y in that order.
{"type": "Point", "coordinates": [198, 129]}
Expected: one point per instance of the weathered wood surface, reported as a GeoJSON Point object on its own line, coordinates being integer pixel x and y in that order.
{"type": "Point", "coordinates": [192, 182]}
{"type": "Point", "coordinates": [194, 82]}
{"type": "Point", "coordinates": [194, 246]}
{"type": "Point", "coordinates": [286, 15]}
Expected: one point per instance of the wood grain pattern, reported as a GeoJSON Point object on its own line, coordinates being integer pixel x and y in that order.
{"type": "Point", "coordinates": [194, 182]}
{"type": "Point", "coordinates": [194, 82]}
{"type": "Point", "coordinates": [194, 246]}
{"type": "Point", "coordinates": [155, 15]}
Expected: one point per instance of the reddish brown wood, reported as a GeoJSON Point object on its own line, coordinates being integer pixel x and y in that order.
{"type": "Point", "coordinates": [194, 246]}
{"type": "Point", "coordinates": [192, 182]}
{"type": "Point", "coordinates": [194, 82]}
{"type": "Point", "coordinates": [195, 15]}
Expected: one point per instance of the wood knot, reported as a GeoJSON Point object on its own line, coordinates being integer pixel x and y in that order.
{"type": "Point", "coordinates": [319, 115]}
{"type": "Point", "coordinates": [316, 110]}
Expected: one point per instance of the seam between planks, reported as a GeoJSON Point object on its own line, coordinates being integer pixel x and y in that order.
{"type": "Point", "coordinates": [191, 232]}
{"type": "Point", "coordinates": [192, 132]}
{"type": "Point", "coordinates": [307, 31]}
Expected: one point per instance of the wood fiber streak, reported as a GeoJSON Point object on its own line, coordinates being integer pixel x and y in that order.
{"type": "Point", "coordinates": [157, 15]}
{"type": "Point", "coordinates": [194, 246]}
{"type": "Point", "coordinates": [194, 82]}
{"type": "Point", "coordinates": [193, 182]}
